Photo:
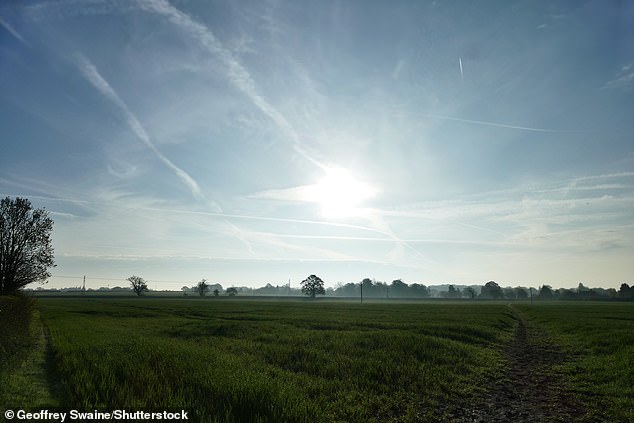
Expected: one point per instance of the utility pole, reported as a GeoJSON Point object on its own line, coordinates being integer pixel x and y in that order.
{"type": "Point", "coordinates": [361, 292]}
{"type": "Point", "coordinates": [83, 287]}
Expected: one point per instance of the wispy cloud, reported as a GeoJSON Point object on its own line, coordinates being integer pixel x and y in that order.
{"type": "Point", "coordinates": [237, 74]}
{"type": "Point", "coordinates": [499, 124]}
{"type": "Point", "coordinates": [396, 73]}
{"type": "Point", "coordinates": [12, 31]}
{"type": "Point", "coordinates": [624, 78]}
{"type": "Point", "coordinates": [90, 72]}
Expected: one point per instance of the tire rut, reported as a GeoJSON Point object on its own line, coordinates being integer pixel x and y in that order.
{"type": "Point", "coordinates": [530, 388]}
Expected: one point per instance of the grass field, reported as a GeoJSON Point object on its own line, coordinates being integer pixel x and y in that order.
{"type": "Point", "coordinates": [599, 338]}
{"type": "Point", "coordinates": [300, 361]}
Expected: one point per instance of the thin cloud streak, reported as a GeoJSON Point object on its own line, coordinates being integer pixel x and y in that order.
{"type": "Point", "coordinates": [13, 32]}
{"type": "Point", "coordinates": [90, 72]}
{"type": "Point", "coordinates": [461, 73]}
{"type": "Point", "coordinates": [500, 125]}
{"type": "Point", "coordinates": [236, 72]}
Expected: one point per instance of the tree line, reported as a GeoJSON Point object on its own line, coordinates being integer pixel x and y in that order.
{"type": "Point", "coordinates": [313, 286]}
{"type": "Point", "coordinates": [26, 254]}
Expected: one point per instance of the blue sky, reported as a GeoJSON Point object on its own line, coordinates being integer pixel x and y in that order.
{"type": "Point", "coordinates": [257, 142]}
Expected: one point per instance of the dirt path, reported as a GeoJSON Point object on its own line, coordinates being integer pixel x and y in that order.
{"type": "Point", "coordinates": [530, 389]}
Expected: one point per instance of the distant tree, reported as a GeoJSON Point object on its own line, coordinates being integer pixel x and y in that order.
{"type": "Point", "coordinates": [139, 285]}
{"type": "Point", "coordinates": [491, 290]}
{"type": "Point", "coordinates": [546, 292]}
{"type": "Point", "coordinates": [185, 289]}
{"type": "Point", "coordinates": [626, 291]}
{"type": "Point", "coordinates": [521, 293]}
{"type": "Point", "coordinates": [366, 287]}
{"type": "Point", "coordinates": [452, 292]}
{"type": "Point", "coordinates": [419, 290]}
{"type": "Point", "coordinates": [348, 290]}
{"type": "Point", "coordinates": [313, 286]}
{"type": "Point", "coordinates": [26, 252]}
{"type": "Point", "coordinates": [216, 292]}
{"type": "Point", "coordinates": [469, 292]}
{"type": "Point", "coordinates": [398, 288]}
{"type": "Point", "coordinates": [232, 292]}
{"type": "Point", "coordinates": [202, 287]}
{"type": "Point", "coordinates": [509, 293]}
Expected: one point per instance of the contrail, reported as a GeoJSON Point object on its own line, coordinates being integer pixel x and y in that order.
{"type": "Point", "coordinates": [12, 31]}
{"type": "Point", "coordinates": [237, 74]}
{"type": "Point", "coordinates": [90, 72]}
{"type": "Point", "coordinates": [501, 125]}
{"type": "Point", "coordinates": [461, 74]}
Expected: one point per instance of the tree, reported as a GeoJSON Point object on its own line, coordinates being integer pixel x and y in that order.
{"type": "Point", "coordinates": [521, 293]}
{"type": "Point", "coordinates": [546, 292]}
{"type": "Point", "coordinates": [202, 287]}
{"type": "Point", "coordinates": [469, 292]}
{"type": "Point", "coordinates": [232, 292]}
{"type": "Point", "coordinates": [452, 292]}
{"type": "Point", "coordinates": [398, 288]}
{"type": "Point", "coordinates": [313, 286]}
{"type": "Point", "coordinates": [138, 284]}
{"type": "Point", "coordinates": [491, 290]}
{"type": "Point", "coordinates": [26, 252]}
{"type": "Point", "coordinates": [216, 292]}
{"type": "Point", "coordinates": [626, 291]}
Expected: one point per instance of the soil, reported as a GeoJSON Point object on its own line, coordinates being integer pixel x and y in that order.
{"type": "Point", "coordinates": [530, 389]}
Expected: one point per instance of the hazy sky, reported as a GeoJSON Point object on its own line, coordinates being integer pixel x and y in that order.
{"type": "Point", "coordinates": [257, 142]}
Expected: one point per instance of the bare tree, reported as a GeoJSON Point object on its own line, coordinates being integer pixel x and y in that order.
{"type": "Point", "coordinates": [26, 252]}
{"type": "Point", "coordinates": [139, 285]}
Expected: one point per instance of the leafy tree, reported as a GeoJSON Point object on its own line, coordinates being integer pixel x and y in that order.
{"type": "Point", "coordinates": [546, 292]}
{"type": "Point", "coordinates": [26, 252]}
{"type": "Point", "coordinates": [469, 292]}
{"type": "Point", "coordinates": [313, 286]}
{"type": "Point", "coordinates": [202, 287]}
{"type": "Point", "coordinates": [626, 291]}
{"type": "Point", "coordinates": [216, 292]}
{"type": "Point", "coordinates": [509, 293]}
{"type": "Point", "coordinates": [398, 288]}
{"type": "Point", "coordinates": [521, 293]}
{"type": "Point", "coordinates": [453, 292]}
{"type": "Point", "coordinates": [139, 285]}
{"type": "Point", "coordinates": [232, 292]}
{"type": "Point", "coordinates": [491, 290]}
{"type": "Point", "coordinates": [419, 290]}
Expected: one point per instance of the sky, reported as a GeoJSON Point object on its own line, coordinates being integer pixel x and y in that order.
{"type": "Point", "coordinates": [260, 142]}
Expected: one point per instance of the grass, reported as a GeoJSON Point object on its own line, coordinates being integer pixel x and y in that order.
{"type": "Point", "coordinates": [23, 358]}
{"type": "Point", "coordinates": [599, 338]}
{"type": "Point", "coordinates": [297, 361]}
{"type": "Point", "coordinates": [267, 361]}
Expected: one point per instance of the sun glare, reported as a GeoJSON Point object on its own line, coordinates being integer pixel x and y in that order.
{"type": "Point", "coordinates": [340, 194]}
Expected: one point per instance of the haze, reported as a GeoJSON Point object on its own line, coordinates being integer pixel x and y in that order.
{"type": "Point", "coordinates": [257, 142]}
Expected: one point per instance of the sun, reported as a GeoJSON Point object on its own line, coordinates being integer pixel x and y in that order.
{"type": "Point", "coordinates": [340, 194]}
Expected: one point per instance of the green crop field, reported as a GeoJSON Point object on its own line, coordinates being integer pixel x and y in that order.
{"type": "Point", "coordinates": [304, 361]}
